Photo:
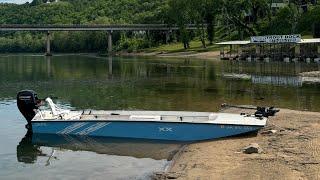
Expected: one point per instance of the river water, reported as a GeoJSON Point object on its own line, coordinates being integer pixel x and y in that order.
{"type": "Point", "coordinates": [87, 82]}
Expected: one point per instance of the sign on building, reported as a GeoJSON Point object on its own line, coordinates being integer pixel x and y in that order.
{"type": "Point", "coordinates": [293, 38]}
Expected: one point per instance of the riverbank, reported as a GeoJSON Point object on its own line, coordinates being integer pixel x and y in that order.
{"type": "Point", "coordinates": [187, 54]}
{"type": "Point", "coordinates": [176, 50]}
{"type": "Point", "coordinates": [292, 152]}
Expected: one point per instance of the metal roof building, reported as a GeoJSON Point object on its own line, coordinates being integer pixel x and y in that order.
{"type": "Point", "coordinates": [273, 47]}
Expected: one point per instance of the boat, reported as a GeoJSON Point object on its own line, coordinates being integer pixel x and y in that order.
{"type": "Point", "coordinates": [159, 125]}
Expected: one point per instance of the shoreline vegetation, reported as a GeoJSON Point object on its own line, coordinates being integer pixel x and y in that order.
{"type": "Point", "coordinates": [175, 50]}
{"type": "Point", "coordinates": [171, 50]}
{"type": "Point", "coordinates": [290, 146]}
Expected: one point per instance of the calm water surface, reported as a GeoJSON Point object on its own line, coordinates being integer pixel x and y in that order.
{"type": "Point", "coordinates": [82, 82]}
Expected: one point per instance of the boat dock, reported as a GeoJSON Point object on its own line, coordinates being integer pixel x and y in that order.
{"type": "Point", "coordinates": [287, 48]}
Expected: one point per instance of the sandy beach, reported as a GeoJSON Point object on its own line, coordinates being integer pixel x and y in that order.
{"type": "Point", "coordinates": [292, 152]}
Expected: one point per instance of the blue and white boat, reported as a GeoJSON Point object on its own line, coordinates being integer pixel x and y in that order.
{"type": "Point", "coordinates": [162, 125]}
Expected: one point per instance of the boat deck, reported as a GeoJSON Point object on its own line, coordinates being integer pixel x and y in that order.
{"type": "Point", "coordinates": [153, 116]}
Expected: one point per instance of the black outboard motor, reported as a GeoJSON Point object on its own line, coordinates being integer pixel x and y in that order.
{"type": "Point", "coordinates": [27, 101]}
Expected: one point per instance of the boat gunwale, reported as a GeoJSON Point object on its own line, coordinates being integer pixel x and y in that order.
{"type": "Point", "coordinates": [207, 123]}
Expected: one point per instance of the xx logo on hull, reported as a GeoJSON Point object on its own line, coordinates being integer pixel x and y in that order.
{"type": "Point", "coordinates": [165, 129]}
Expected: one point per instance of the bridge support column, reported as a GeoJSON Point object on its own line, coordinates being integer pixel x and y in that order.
{"type": "Point", "coordinates": [109, 42]}
{"type": "Point", "coordinates": [48, 50]}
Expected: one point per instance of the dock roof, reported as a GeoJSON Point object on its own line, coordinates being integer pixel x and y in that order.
{"type": "Point", "coordinates": [303, 41]}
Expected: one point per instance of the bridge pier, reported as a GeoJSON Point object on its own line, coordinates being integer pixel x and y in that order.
{"type": "Point", "coordinates": [48, 50]}
{"type": "Point", "coordinates": [109, 42]}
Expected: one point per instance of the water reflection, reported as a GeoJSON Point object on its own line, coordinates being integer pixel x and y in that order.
{"type": "Point", "coordinates": [110, 67]}
{"type": "Point", "coordinates": [268, 68]}
{"type": "Point", "coordinates": [48, 59]}
{"type": "Point", "coordinates": [28, 152]}
{"type": "Point", "coordinates": [157, 84]}
{"type": "Point", "coordinates": [83, 82]}
{"type": "Point", "coordinates": [296, 81]}
{"type": "Point", "coordinates": [278, 80]}
{"type": "Point", "coordinates": [31, 147]}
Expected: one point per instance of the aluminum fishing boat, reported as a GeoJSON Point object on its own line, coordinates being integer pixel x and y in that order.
{"type": "Point", "coordinates": [162, 125]}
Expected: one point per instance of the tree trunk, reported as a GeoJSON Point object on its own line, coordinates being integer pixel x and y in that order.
{"type": "Point", "coordinates": [210, 29]}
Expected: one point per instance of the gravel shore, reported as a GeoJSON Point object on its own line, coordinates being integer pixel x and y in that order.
{"type": "Point", "coordinates": [291, 151]}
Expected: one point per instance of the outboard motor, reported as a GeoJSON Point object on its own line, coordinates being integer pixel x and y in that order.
{"type": "Point", "coordinates": [27, 101]}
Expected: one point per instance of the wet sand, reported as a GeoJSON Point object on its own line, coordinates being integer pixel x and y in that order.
{"type": "Point", "coordinates": [292, 152]}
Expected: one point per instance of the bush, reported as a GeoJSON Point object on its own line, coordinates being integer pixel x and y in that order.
{"type": "Point", "coordinates": [308, 19]}
{"type": "Point", "coordinates": [133, 43]}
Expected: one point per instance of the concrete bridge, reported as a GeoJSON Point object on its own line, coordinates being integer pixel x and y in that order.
{"type": "Point", "coordinates": [107, 28]}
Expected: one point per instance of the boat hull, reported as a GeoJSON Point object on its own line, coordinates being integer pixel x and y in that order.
{"type": "Point", "coordinates": [176, 131]}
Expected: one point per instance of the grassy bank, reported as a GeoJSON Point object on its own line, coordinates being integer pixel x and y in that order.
{"type": "Point", "coordinates": [176, 50]}
{"type": "Point", "coordinates": [195, 46]}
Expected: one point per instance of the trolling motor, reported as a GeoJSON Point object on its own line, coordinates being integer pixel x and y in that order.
{"type": "Point", "coordinates": [28, 103]}
{"type": "Point", "coordinates": [260, 111]}
{"type": "Point", "coordinates": [265, 112]}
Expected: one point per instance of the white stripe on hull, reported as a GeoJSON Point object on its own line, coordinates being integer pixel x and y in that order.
{"type": "Point", "coordinates": [71, 128]}
{"type": "Point", "coordinates": [92, 128]}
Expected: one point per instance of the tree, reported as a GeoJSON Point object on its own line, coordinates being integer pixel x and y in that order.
{"type": "Point", "coordinates": [309, 20]}
{"type": "Point", "coordinates": [213, 8]}
{"type": "Point", "coordinates": [244, 15]}
{"type": "Point", "coordinates": [198, 13]}
{"type": "Point", "coordinates": [36, 2]}
{"type": "Point", "coordinates": [284, 22]}
{"type": "Point", "coordinates": [180, 13]}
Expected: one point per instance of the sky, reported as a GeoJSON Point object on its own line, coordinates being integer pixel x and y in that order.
{"type": "Point", "coordinates": [15, 1]}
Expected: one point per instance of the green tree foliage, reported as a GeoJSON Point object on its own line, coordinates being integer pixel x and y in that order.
{"type": "Point", "coordinates": [213, 9]}
{"type": "Point", "coordinates": [36, 2]}
{"type": "Point", "coordinates": [224, 19]}
{"type": "Point", "coordinates": [180, 13]}
{"type": "Point", "coordinates": [284, 22]}
{"type": "Point", "coordinates": [244, 16]}
{"type": "Point", "coordinates": [76, 12]}
{"type": "Point", "coordinates": [309, 19]}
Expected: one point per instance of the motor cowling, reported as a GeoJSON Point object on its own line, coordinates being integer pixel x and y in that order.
{"type": "Point", "coordinates": [27, 102]}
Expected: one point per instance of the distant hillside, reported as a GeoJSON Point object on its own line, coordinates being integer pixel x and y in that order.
{"type": "Point", "coordinates": [76, 12]}
{"type": "Point", "coordinates": [84, 12]}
